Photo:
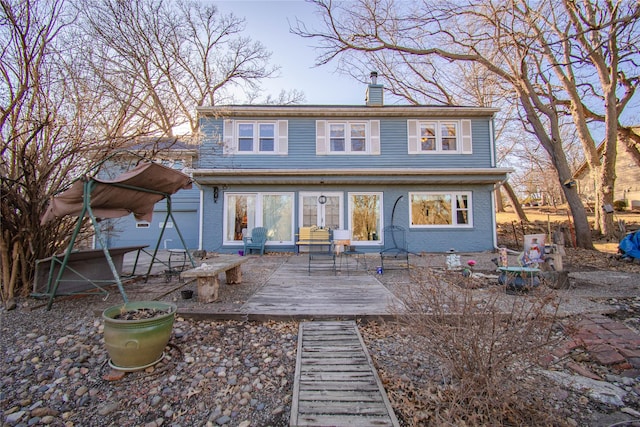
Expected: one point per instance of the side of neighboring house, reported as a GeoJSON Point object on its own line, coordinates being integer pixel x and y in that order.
{"type": "Point", "coordinates": [428, 169]}
{"type": "Point", "coordinates": [185, 204]}
{"type": "Point", "coordinates": [627, 185]}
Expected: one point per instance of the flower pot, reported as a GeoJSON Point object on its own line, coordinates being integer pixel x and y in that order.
{"type": "Point", "coordinates": [137, 344]}
{"type": "Point", "coordinates": [186, 294]}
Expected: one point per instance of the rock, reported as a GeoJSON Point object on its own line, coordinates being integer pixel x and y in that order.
{"type": "Point", "coordinates": [600, 391]}
{"type": "Point", "coordinates": [14, 417]}
{"type": "Point", "coordinates": [107, 408]}
{"type": "Point", "coordinates": [225, 419]}
{"type": "Point", "coordinates": [10, 304]}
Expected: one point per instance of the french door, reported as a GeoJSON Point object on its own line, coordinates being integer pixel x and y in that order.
{"type": "Point", "coordinates": [321, 210]}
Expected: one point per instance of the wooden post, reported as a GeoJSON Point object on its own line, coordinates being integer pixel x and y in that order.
{"type": "Point", "coordinates": [208, 287]}
{"type": "Point", "coordinates": [234, 276]}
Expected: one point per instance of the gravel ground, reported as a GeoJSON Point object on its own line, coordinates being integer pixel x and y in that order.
{"type": "Point", "coordinates": [54, 367]}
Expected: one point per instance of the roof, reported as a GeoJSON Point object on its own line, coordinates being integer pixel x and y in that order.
{"type": "Point", "coordinates": [584, 166]}
{"type": "Point", "coordinates": [344, 110]}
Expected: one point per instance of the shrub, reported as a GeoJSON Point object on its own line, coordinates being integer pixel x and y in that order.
{"type": "Point", "coordinates": [486, 346]}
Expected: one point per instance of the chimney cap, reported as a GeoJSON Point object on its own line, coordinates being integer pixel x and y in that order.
{"type": "Point", "coordinates": [374, 77]}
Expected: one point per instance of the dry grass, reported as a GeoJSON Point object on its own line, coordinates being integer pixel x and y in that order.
{"type": "Point", "coordinates": [486, 351]}
{"type": "Point", "coordinates": [545, 220]}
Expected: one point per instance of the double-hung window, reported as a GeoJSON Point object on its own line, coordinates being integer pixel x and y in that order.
{"type": "Point", "coordinates": [439, 136]}
{"type": "Point", "coordinates": [348, 137]}
{"type": "Point", "coordinates": [255, 137]}
{"type": "Point", "coordinates": [440, 209]}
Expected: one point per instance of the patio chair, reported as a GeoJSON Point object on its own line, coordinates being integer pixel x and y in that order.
{"type": "Point", "coordinates": [323, 257]}
{"type": "Point", "coordinates": [255, 241]}
{"type": "Point", "coordinates": [343, 249]}
{"type": "Point", "coordinates": [395, 251]}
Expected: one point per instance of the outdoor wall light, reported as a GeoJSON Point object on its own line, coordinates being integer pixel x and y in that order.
{"type": "Point", "coordinates": [216, 194]}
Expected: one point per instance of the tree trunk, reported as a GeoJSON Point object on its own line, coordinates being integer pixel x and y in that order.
{"type": "Point", "coordinates": [499, 203]}
{"type": "Point", "coordinates": [517, 207]}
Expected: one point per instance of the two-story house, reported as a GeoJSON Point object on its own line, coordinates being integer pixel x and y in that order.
{"type": "Point", "coordinates": [428, 169]}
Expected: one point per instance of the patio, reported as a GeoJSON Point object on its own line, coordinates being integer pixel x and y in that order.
{"type": "Point", "coordinates": [279, 287]}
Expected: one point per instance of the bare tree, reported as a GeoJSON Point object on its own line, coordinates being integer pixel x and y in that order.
{"type": "Point", "coordinates": [161, 59]}
{"type": "Point", "coordinates": [43, 126]}
{"type": "Point", "coordinates": [559, 58]}
{"type": "Point", "coordinates": [79, 81]}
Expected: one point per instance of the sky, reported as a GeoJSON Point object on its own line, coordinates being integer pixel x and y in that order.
{"type": "Point", "coordinates": [268, 21]}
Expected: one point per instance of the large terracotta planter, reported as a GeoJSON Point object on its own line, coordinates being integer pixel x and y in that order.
{"type": "Point", "coordinates": [137, 344]}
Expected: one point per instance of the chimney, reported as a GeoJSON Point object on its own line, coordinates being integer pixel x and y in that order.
{"type": "Point", "coordinates": [374, 96]}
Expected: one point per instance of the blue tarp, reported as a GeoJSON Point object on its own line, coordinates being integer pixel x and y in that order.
{"type": "Point", "coordinates": [630, 245]}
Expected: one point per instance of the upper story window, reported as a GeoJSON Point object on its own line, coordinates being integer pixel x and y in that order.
{"type": "Point", "coordinates": [347, 137]}
{"type": "Point", "coordinates": [439, 136]}
{"type": "Point", "coordinates": [255, 137]}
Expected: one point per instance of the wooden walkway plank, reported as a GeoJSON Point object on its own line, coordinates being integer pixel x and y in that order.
{"type": "Point", "coordinates": [320, 295]}
{"type": "Point", "coordinates": [335, 382]}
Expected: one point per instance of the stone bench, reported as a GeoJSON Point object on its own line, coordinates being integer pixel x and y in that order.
{"type": "Point", "coordinates": [207, 275]}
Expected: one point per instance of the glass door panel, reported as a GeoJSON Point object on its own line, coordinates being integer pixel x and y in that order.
{"type": "Point", "coordinates": [315, 213]}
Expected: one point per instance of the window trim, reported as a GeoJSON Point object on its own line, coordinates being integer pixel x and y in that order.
{"type": "Point", "coordinates": [259, 212]}
{"type": "Point", "coordinates": [371, 137]}
{"type": "Point", "coordinates": [231, 137]}
{"type": "Point", "coordinates": [463, 136]}
{"type": "Point", "coordinates": [454, 210]}
{"type": "Point", "coordinates": [380, 195]}
{"type": "Point", "coordinates": [347, 137]}
{"type": "Point", "coordinates": [256, 124]}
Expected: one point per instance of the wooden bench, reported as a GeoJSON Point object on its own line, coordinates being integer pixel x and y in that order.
{"type": "Point", "coordinates": [312, 237]}
{"type": "Point", "coordinates": [207, 275]}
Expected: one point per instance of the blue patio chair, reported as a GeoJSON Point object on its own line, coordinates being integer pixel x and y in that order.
{"type": "Point", "coordinates": [255, 241]}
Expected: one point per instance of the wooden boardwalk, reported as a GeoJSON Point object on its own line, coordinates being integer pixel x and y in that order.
{"type": "Point", "coordinates": [335, 382]}
{"type": "Point", "coordinates": [292, 291]}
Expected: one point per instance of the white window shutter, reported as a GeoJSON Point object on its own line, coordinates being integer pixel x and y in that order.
{"type": "Point", "coordinates": [374, 128]}
{"type": "Point", "coordinates": [229, 145]}
{"type": "Point", "coordinates": [321, 137]}
{"type": "Point", "coordinates": [466, 137]}
{"type": "Point", "coordinates": [412, 133]}
{"type": "Point", "coordinates": [283, 137]}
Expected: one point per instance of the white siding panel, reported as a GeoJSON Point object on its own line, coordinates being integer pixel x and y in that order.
{"type": "Point", "coordinates": [412, 131]}
{"type": "Point", "coordinates": [466, 137]}
{"type": "Point", "coordinates": [375, 136]}
{"type": "Point", "coordinates": [283, 136]}
{"type": "Point", "coordinates": [228, 142]}
{"type": "Point", "coordinates": [321, 137]}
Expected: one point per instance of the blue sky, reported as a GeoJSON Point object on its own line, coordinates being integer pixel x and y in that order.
{"type": "Point", "coordinates": [268, 22]}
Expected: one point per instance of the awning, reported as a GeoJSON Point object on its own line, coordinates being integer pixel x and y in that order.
{"type": "Point", "coordinates": [135, 191]}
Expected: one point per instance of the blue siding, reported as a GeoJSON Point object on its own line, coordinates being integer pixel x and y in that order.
{"type": "Point", "coordinates": [393, 154]}
{"type": "Point", "coordinates": [302, 149]}
{"type": "Point", "coordinates": [477, 238]}
{"type": "Point", "coordinates": [185, 208]}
